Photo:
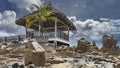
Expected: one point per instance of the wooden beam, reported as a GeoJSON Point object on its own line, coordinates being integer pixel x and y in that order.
{"type": "Point", "coordinates": [54, 27]}
{"type": "Point", "coordinates": [65, 26]}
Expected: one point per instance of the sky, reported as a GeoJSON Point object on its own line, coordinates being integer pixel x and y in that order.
{"type": "Point", "coordinates": [92, 18]}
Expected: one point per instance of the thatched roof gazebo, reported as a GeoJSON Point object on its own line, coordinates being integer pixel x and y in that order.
{"type": "Point", "coordinates": [57, 14]}
{"type": "Point", "coordinates": [50, 26]}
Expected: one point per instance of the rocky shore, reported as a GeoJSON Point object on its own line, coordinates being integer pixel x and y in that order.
{"type": "Point", "coordinates": [31, 54]}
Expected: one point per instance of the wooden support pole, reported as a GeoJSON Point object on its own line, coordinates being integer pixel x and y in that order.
{"type": "Point", "coordinates": [25, 30]}
{"type": "Point", "coordinates": [55, 29]}
{"type": "Point", "coordinates": [55, 34]}
{"type": "Point", "coordinates": [19, 38]}
{"type": "Point", "coordinates": [68, 33]}
{"type": "Point", "coordinates": [39, 30]}
{"type": "Point", "coordinates": [5, 40]}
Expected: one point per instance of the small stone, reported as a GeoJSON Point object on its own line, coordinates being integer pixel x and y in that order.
{"type": "Point", "coordinates": [55, 61]}
{"type": "Point", "coordinates": [31, 66]}
{"type": "Point", "coordinates": [118, 65]}
{"type": "Point", "coordinates": [84, 66]}
{"type": "Point", "coordinates": [21, 66]}
{"type": "Point", "coordinates": [15, 65]}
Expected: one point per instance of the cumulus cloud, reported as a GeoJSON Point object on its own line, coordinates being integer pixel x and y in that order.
{"type": "Point", "coordinates": [8, 26]}
{"type": "Point", "coordinates": [7, 18]}
{"type": "Point", "coordinates": [26, 4]}
{"type": "Point", "coordinates": [94, 30]}
{"type": "Point", "coordinates": [104, 19]}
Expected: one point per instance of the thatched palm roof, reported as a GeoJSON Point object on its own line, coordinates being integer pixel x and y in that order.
{"type": "Point", "coordinates": [48, 24]}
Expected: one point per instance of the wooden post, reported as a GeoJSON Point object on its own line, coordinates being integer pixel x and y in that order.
{"type": "Point", "coordinates": [55, 29]}
{"type": "Point", "coordinates": [55, 34]}
{"type": "Point", "coordinates": [39, 30]}
{"type": "Point", "coordinates": [68, 36]}
{"type": "Point", "coordinates": [25, 30]}
{"type": "Point", "coordinates": [19, 38]}
{"type": "Point", "coordinates": [5, 39]}
{"type": "Point", "coordinates": [68, 33]}
{"type": "Point", "coordinates": [37, 33]}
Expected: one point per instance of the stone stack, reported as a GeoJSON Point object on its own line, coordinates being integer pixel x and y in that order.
{"type": "Point", "coordinates": [110, 45]}
{"type": "Point", "coordinates": [109, 41]}
{"type": "Point", "coordinates": [85, 46]}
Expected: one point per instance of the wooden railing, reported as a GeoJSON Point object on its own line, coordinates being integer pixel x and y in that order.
{"type": "Point", "coordinates": [49, 34]}
{"type": "Point", "coordinates": [12, 38]}
{"type": "Point", "coordinates": [34, 34]}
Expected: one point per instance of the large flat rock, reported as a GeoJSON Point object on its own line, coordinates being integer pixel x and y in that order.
{"type": "Point", "coordinates": [35, 54]}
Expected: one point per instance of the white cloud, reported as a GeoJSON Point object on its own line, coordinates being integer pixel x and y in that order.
{"type": "Point", "coordinates": [104, 19]}
{"type": "Point", "coordinates": [94, 30]}
{"type": "Point", "coordinates": [8, 26]}
{"type": "Point", "coordinates": [26, 4]}
{"type": "Point", "coordinates": [3, 34]}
